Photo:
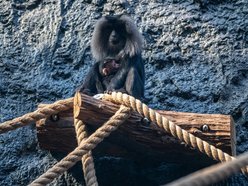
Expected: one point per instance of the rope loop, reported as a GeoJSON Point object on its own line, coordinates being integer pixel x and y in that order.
{"type": "Point", "coordinates": [84, 147]}
{"type": "Point", "coordinates": [87, 159]}
{"type": "Point", "coordinates": [86, 144]}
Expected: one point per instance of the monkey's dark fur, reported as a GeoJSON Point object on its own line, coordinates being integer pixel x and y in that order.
{"type": "Point", "coordinates": [116, 38]}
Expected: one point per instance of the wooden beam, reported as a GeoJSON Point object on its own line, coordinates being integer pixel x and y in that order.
{"type": "Point", "coordinates": [136, 137]}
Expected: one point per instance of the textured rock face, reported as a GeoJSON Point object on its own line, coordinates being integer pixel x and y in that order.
{"type": "Point", "coordinates": [196, 60]}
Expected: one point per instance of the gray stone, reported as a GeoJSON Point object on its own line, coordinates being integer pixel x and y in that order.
{"type": "Point", "coordinates": [196, 60]}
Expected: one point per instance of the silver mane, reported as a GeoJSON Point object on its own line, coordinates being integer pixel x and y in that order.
{"type": "Point", "coordinates": [134, 39]}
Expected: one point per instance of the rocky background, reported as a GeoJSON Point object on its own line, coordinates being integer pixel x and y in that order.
{"type": "Point", "coordinates": [196, 59]}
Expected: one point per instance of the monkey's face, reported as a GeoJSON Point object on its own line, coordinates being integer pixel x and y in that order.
{"type": "Point", "coordinates": [115, 35]}
{"type": "Point", "coordinates": [116, 32]}
{"type": "Point", "coordinates": [117, 38]}
{"type": "Point", "coordinates": [114, 38]}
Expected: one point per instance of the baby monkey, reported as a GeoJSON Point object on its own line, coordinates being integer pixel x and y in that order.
{"type": "Point", "coordinates": [109, 67]}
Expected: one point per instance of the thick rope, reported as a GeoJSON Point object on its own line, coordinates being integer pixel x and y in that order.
{"type": "Point", "coordinates": [86, 145]}
{"type": "Point", "coordinates": [41, 113]}
{"type": "Point", "coordinates": [213, 174]}
{"type": "Point", "coordinates": [170, 127]}
{"type": "Point", "coordinates": [87, 159]}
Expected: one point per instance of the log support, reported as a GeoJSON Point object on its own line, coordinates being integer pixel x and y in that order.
{"type": "Point", "coordinates": [136, 138]}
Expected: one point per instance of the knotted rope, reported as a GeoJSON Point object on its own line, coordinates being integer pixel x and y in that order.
{"type": "Point", "coordinates": [40, 113]}
{"type": "Point", "coordinates": [86, 145]}
{"type": "Point", "coordinates": [170, 127]}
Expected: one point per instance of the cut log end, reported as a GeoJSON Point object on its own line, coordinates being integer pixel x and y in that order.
{"type": "Point", "coordinates": [233, 136]}
{"type": "Point", "coordinates": [77, 104]}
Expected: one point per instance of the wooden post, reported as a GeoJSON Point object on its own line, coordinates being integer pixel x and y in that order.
{"type": "Point", "coordinates": [136, 136]}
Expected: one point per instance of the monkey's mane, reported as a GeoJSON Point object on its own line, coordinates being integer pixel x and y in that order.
{"type": "Point", "coordinates": [134, 39]}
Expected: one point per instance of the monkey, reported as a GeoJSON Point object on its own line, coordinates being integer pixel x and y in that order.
{"type": "Point", "coordinates": [110, 67]}
{"type": "Point", "coordinates": [116, 46]}
{"type": "Point", "coordinates": [107, 70]}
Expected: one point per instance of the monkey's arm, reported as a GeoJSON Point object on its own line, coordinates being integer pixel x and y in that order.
{"type": "Point", "coordinates": [135, 65]}
{"type": "Point", "coordinates": [118, 81]}
{"type": "Point", "coordinates": [135, 81]}
{"type": "Point", "coordinates": [92, 84]}
{"type": "Point", "coordinates": [134, 84]}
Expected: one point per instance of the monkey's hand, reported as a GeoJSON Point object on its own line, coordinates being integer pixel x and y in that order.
{"type": "Point", "coordinates": [108, 92]}
{"type": "Point", "coordinates": [98, 96]}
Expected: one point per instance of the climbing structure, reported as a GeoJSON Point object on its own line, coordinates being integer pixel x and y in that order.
{"type": "Point", "coordinates": [128, 105]}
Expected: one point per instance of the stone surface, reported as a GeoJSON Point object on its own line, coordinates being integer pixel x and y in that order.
{"type": "Point", "coordinates": [196, 59]}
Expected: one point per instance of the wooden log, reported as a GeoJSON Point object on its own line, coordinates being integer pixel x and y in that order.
{"type": "Point", "coordinates": [135, 137]}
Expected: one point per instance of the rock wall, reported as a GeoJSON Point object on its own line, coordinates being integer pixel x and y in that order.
{"type": "Point", "coordinates": [196, 59]}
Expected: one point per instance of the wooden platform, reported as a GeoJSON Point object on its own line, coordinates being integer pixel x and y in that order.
{"type": "Point", "coordinates": [136, 138]}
